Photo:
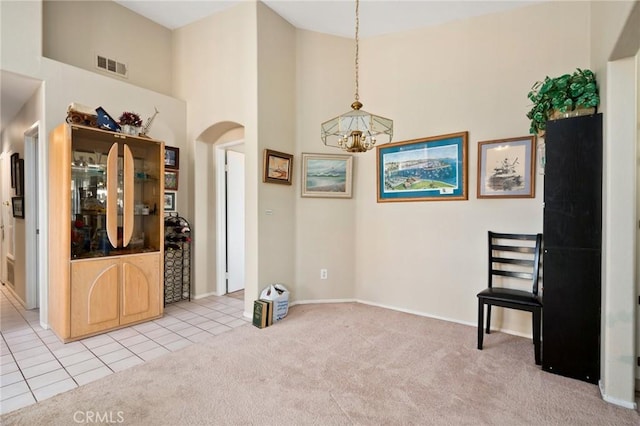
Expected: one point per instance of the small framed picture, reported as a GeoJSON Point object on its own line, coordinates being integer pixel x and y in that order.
{"type": "Point", "coordinates": [277, 167]}
{"type": "Point", "coordinates": [171, 158]}
{"type": "Point", "coordinates": [506, 168]}
{"type": "Point", "coordinates": [327, 175]}
{"type": "Point", "coordinates": [170, 201]}
{"type": "Point", "coordinates": [171, 180]}
{"type": "Point", "coordinates": [17, 203]}
{"type": "Point", "coordinates": [14, 164]}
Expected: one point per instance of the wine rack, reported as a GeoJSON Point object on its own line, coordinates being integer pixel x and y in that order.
{"type": "Point", "coordinates": [177, 259]}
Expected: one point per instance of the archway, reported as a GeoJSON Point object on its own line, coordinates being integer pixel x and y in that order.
{"type": "Point", "coordinates": [208, 205]}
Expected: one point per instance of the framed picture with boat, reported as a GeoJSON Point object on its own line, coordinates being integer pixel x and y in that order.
{"type": "Point", "coordinates": [327, 175]}
{"type": "Point", "coordinates": [427, 169]}
{"type": "Point", "coordinates": [506, 168]}
{"type": "Point", "coordinates": [277, 167]}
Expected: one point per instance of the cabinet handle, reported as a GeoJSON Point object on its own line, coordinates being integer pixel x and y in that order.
{"type": "Point", "coordinates": [127, 221]}
{"type": "Point", "coordinates": [112, 195]}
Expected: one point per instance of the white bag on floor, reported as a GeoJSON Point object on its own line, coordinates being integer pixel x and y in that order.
{"type": "Point", "coordinates": [280, 297]}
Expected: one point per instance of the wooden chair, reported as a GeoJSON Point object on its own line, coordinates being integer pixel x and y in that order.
{"type": "Point", "coordinates": [513, 256]}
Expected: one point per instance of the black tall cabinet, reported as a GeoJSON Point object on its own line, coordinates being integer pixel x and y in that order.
{"type": "Point", "coordinates": [572, 247]}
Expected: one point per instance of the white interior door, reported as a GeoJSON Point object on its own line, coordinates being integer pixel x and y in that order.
{"type": "Point", "coordinates": [235, 221]}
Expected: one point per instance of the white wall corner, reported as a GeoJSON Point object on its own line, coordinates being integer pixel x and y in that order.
{"type": "Point", "coordinates": [616, 401]}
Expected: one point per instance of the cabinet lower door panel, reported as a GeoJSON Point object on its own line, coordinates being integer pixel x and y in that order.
{"type": "Point", "coordinates": [571, 313]}
{"type": "Point", "coordinates": [140, 297]}
{"type": "Point", "coordinates": [94, 296]}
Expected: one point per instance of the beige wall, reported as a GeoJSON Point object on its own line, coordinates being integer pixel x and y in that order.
{"type": "Point", "coordinates": [276, 131]}
{"type": "Point", "coordinates": [21, 36]}
{"type": "Point", "coordinates": [216, 74]}
{"type": "Point", "coordinates": [222, 86]}
{"type": "Point", "coordinates": [427, 257]}
{"type": "Point", "coordinates": [325, 227]}
{"type": "Point", "coordinates": [74, 32]}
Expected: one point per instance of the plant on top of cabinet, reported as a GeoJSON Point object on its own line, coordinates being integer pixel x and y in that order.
{"type": "Point", "coordinates": [130, 122]}
{"type": "Point", "coordinates": [130, 118]}
{"type": "Point", "coordinates": [560, 97]}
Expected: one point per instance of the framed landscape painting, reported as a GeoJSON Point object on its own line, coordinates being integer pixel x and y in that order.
{"type": "Point", "coordinates": [277, 167]}
{"type": "Point", "coordinates": [327, 175]}
{"type": "Point", "coordinates": [428, 169]}
{"type": "Point", "coordinates": [506, 168]}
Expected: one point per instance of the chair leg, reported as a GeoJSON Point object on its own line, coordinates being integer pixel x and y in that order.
{"type": "Point", "coordinates": [536, 335]}
{"type": "Point", "coordinates": [480, 322]}
{"type": "Point", "coordinates": [488, 319]}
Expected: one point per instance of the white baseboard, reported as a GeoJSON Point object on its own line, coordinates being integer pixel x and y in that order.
{"type": "Point", "coordinates": [615, 401]}
{"type": "Point", "coordinates": [202, 296]}
{"type": "Point", "coordinates": [407, 311]}
{"type": "Point", "coordinates": [413, 312]}
{"type": "Point", "coordinates": [310, 302]}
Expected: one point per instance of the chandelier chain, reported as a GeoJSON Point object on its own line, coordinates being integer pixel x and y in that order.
{"type": "Point", "coordinates": [357, 46]}
{"type": "Point", "coordinates": [356, 130]}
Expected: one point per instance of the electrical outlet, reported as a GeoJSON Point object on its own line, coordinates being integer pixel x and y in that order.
{"type": "Point", "coordinates": [323, 274]}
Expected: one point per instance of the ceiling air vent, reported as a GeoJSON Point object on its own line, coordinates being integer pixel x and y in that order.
{"type": "Point", "coordinates": [111, 65]}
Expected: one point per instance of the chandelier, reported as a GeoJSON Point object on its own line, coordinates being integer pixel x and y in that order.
{"type": "Point", "coordinates": [356, 130]}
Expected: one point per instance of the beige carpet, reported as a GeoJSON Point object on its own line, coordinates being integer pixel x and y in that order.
{"type": "Point", "coordinates": [337, 364]}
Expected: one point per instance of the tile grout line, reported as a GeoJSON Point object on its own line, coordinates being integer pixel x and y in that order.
{"type": "Point", "coordinates": [19, 312]}
{"type": "Point", "coordinates": [20, 369]}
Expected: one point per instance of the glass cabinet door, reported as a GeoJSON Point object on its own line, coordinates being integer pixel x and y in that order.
{"type": "Point", "coordinates": [115, 194]}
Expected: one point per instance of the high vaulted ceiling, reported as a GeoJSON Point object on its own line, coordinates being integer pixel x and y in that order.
{"type": "Point", "coordinates": [335, 17]}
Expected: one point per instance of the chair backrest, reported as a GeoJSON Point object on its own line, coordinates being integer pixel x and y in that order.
{"type": "Point", "coordinates": [515, 256]}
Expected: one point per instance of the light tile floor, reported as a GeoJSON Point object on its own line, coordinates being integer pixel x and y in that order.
{"type": "Point", "coordinates": [36, 365]}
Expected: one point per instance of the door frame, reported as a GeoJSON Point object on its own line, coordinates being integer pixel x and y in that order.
{"type": "Point", "coordinates": [221, 215]}
{"type": "Point", "coordinates": [34, 268]}
{"type": "Point", "coordinates": [6, 166]}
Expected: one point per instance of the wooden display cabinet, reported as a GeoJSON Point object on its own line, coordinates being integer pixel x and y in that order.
{"type": "Point", "coordinates": [106, 230]}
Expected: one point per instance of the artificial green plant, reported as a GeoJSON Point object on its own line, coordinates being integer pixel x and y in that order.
{"type": "Point", "coordinates": [565, 93]}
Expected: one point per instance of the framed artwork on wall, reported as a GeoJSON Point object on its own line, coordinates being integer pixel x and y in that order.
{"type": "Point", "coordinates": [327, 175]}
{"type": "Point", "coordinates": [17, 205]}
{"type": "Point", "coordinates": [19, 177]}
{"type": "Point", "coordinates": [171, 158]}
{"type": "Point", "coordinates": [506, 168]}
{"type": "Point", "coordinates": [170, 201]}
{"type": "Point", "coordinates": [277, 167]}
{"type": "Point", "coordinates": [14, 164]}
{"type": "Point", "coordinates": [427, 169]}
{"type": "Point", "coordinates": [171, 180]}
